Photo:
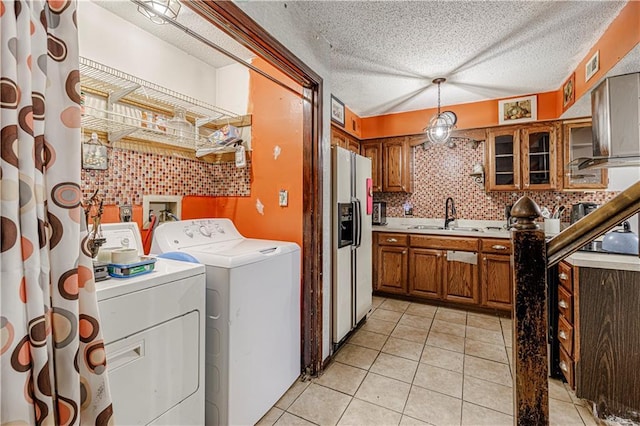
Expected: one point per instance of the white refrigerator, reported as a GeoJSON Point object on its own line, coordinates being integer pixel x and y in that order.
{"type": "Point", "coordinates": [351, 291]}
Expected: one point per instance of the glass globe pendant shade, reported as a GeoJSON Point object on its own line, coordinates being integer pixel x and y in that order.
{"type": "Point", "coordinates": [162, 10]}
{"type": "Point", "coordinates": [439, 129]}
{"type": "Point", "coordinates": [440, 125]}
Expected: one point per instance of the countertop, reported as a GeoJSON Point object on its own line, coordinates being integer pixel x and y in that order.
{"type": "Point", "coordinates": [487, 229]}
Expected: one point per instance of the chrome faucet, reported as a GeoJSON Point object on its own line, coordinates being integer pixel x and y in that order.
{"type": "Point", "coordinates": [449, 213]}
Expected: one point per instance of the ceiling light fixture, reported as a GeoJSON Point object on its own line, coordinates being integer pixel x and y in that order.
{"type": "Point", "coordinates": [158, 11]}
{"type": "Point", "coordinates": [441, 124]}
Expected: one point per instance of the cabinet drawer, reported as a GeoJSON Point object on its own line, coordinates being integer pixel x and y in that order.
{"type": "Point", "coordinates": [565, 304]}
{"type": "Point", "coordinates": [567, 367]}
{"type": "Point", "coordinates": [565, 335]}
{"type": "Point", "coordinates": [565, 275]}
{"type": "Point", "coordinates": [386, 239]}
{"type": "Point", "coordinates": [447, 243]}
{"type": "Point", "coordinates": [495, 245]}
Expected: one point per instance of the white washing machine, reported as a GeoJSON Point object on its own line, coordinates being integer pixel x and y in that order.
{"type": "Point", "coordinates": [253, 316]}
{"type": "Point", "coordinates": [153, 328]}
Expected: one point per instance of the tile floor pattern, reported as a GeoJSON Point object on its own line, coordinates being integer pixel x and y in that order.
{"type": "Point", "coordinates": [416, 364]}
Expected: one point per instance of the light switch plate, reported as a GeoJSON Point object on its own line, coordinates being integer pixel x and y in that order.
{"type": "Point", "coordinates": [283, 198]}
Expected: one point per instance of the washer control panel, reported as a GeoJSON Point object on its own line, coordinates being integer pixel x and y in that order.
{"type": "Point", "coordinates": [188, 233]}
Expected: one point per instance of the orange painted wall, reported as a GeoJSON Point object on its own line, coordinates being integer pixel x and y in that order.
{"type": "Point", "coordinates": [276, 121]}
{"type": "Point", "coordinates": [470, 116]}
{"type": "Point", "coordinates": [621, 37]}
{"type": "Point", "coordinates": [352, 123]}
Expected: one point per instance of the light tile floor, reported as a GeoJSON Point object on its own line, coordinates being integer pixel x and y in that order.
{"type": "Point", "coordinates": [416, 364]}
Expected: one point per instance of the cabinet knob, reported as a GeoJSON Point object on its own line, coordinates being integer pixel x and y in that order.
{"type": "Point", "coordinates": [563, 366]}
{"type": "Point", "coordinates": [404, 252]}
{"type": "Point", "coordinates": [392, 240]}
{"type": "Point", "coordinates": [563, 276]}
{"type": "Point", "coordinates": [499, 247]}
{"type": "Point", "coordinates": [563, 304]}
{"type": "Point", "coordinates": [484, 259]}
{"type": "Point", "coordinates": [562, 335]}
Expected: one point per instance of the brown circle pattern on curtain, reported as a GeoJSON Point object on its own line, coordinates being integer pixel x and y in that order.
{"type": "Point", "coordinates": [53, 359]}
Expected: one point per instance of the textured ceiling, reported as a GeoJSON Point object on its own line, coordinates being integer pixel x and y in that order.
{"type": "Point", "coordinates": [384, 54]}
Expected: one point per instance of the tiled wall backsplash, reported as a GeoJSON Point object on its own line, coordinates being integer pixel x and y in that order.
{"type": "Point", "coordinates": [130, 175]}
{"type": "Point", "coordinates": [441, 172]}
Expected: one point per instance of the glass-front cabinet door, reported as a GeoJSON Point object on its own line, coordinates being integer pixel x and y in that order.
{"type": "Point", "coordinates": [503, 159]}
{"type": "Point", "coordinates": [539, 159]}
{"type": "Point", "coordinates": [578, 144]}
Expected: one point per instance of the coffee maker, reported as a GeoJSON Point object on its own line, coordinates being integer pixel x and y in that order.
{"type": "Point", "coordinates": [580, 210]}
{"type": "Point", "coordinates": [379, 216]}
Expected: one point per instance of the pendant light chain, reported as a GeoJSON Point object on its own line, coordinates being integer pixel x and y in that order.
{"type": "Point", "coordinates": [438, 98]}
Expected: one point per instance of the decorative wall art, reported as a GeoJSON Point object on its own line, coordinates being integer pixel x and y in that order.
{"type": "Point", "coordinates": [94, 156]}
{"type": "Point", "coordinates": [337, 111]}
{"type": "Point", "coordinates": [592, 66]}
{"type": "Point", "coordinates": [568, 92]}
{"type": "Point", "coordinates": [518, 110]}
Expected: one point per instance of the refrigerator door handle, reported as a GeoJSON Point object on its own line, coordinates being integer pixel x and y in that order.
{"type": "Point", "coordinates": [357, 223]}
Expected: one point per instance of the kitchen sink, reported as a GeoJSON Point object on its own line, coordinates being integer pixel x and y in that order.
{"type": "Point", "coordinates": [426, 227]}
{"type": "Point", "coordinates": [465, 228]}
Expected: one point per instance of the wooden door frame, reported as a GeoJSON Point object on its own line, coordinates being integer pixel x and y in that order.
{"type": "Point", "coordinates": [230, 19]}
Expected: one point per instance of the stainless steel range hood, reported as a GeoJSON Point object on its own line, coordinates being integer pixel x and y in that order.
{"type": "Point", "coordinates": [615, 108]}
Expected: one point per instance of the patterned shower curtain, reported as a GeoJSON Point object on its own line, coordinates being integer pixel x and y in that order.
{"type": "Point", "coordinates": [52, 357]}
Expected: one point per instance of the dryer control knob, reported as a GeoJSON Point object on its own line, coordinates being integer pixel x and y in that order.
{"type": "Point", "coordinates": [188, 233]}
{"type": "Point", "coordinates": [205, 231]}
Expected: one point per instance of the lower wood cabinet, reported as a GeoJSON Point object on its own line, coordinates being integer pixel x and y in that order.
{"type": "Point", "coordinates": [425, 273]}
{"type": "Point", "coordinates": [459, 270]}
{"type": "Point", "coordinates": [390, 257]}
{"type": "Point", "coordinates": [606, 346]}
{"type": "Point", "coordinates": [496, 279]}
{"type": "Point", "coordinates": [461, 281]}
{"type": "Point", "coordinates": [392, 276]}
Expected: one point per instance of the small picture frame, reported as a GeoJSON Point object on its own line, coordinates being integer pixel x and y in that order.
{"type": "Point", "coordinates": [592, 66]}
{"type": "Point", "coordinates": [569, 92]}
{"type": "Point", "coordinates": [337, 111]}
{"type": "Point", "coordinates": [518, 110]}
{"type": "Point", "coordinates": [94, 156]}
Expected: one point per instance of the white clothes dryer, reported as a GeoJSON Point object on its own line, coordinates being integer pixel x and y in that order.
{"type": "Point", "coordinates": [153, 328]}
{"type": "Point", "coordinates": [253, 316]}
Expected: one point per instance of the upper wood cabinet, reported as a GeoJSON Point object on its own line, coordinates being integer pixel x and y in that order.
{"type": "Point", "coordinates": [522, 157]}
{"type": "Point", "coordinates": [344, 140]}
{"type": "Point", "coordinates": [373, 151]}
{"type": "Point", "coordinates": [391, 161]}
{"type": "Point", "coordinates": [578, 143]}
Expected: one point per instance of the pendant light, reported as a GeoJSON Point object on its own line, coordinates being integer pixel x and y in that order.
{"type": "Point", "coordinates": [441, 124]}
{"type": "Point", "coordinates": [158, 11]}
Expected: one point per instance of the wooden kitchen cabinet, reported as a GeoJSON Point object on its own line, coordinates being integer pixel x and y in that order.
{"type": "Point", "coordinates": [344, 140]}
{"type": "Point", "coordinates": [449, 279]}
{"type": "Point", "coordinates": [578, 143]}
{"type": "Point", "coordinates": [460, 282]}
{"type": "Point", "coordinates": [390, 263]}
{"type": "Point", "coordinates": [373, 151]}
{"type": "Point", "coordinates": [522, 157]}
{"type": "Point", "coordinates": [566, 324]}
{"type": "Point", "coordinates": [496, 279]}
{"type": "Point", "coordinates": [607, 342]}
{"type": "Point", "coordinates": [429, 267]}
{"type": "Point", "coordinates": [425, 273]}
{"type": "Point", "coordinates": [391, 159]}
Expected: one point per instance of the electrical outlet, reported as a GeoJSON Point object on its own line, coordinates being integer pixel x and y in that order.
{"type": "Point", "coordinates": [126, 213]}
